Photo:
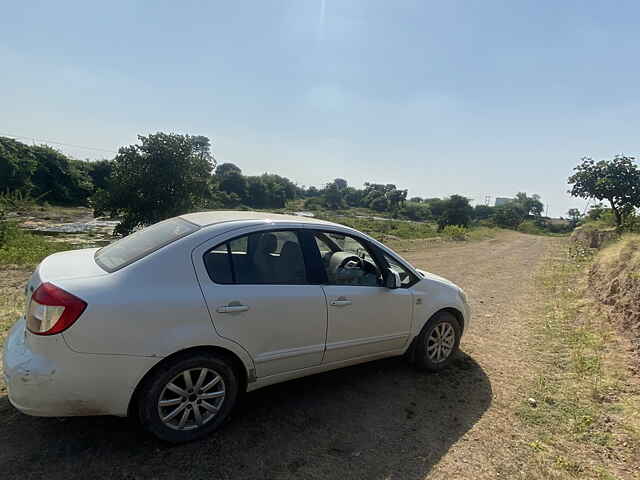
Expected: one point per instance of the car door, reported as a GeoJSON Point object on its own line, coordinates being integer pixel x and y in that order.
{"type": "Point", "coordinates": [364, 317]}
{"type": "Point", "coordinates": [258, 294]}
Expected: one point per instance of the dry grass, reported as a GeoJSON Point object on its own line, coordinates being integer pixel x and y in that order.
{"type": "Point", "coordinates": [585, 416]}
{"type": "Point", "coordinates": [626, 250]}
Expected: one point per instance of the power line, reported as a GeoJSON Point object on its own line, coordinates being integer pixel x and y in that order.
{"type": "Point", "coordinates": [57, 143]}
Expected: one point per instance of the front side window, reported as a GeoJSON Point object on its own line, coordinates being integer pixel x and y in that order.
{"type": "Point", "coordinates": [347, 260]}
{"type": "Point", "coordinates": [406, 277]}
{"type": "Point", "coordinates": [258, 258]}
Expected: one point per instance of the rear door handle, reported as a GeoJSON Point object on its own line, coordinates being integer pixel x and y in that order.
{"type": "Point", "coordinates": [341, 302]}
{"type": "Point", "coordinates": [232, 308]}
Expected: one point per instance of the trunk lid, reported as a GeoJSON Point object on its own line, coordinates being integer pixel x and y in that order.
{"type": "Point", "coordinates": [63, 266]}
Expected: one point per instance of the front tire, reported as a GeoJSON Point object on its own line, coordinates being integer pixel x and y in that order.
{"type": "Point", "coordinates": [438, 342]}
{"type": "Point", "coordinates": [189, 398]}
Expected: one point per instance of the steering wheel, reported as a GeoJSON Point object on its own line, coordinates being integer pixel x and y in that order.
{"type": "Point", "coordinates": [351, 258]}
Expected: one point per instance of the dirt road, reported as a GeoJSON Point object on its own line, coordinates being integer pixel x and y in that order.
{"type": "Point", "coordinates": [382, 420]}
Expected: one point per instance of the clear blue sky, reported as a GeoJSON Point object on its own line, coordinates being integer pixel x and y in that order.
{"type": "Point", "coordinates": [477, 98]}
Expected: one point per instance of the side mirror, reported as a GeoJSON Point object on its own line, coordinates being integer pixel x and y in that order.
{"type": "Point", "coordinates": [391, 279]}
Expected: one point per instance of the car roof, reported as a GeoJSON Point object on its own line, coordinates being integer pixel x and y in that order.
{"type": "Point", "coordinates": [203, 219]}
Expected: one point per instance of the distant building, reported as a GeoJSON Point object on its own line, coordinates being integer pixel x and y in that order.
{"type": "Point", "coordinates": [502, 201]}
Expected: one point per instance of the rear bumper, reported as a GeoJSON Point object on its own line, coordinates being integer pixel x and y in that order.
{"type": "Point", "coordinates": [57, 382]}
{"type": "Point", "coordinates": [27, 376]}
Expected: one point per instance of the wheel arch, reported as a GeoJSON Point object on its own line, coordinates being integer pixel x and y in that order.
{"type": "Point", "coordinates": [455, 312]}
{"type": "Point", "coordinates": [244, 376]}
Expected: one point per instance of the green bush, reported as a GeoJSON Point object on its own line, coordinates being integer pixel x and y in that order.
{"type": "Point", "coordinates": [529, 226]}
{"type": "Point", "coordinates": [314, 203]}
{"type": "Point", "coordinates": [455, 232]}
{"type": "Point", "coordinates": [415, 211]}
{"type": "Point", "coordinates": [18, 247]}
{"type": "Point", "coordinates": [380, 228]}
{"type": "Point", "coordinates": [487, 222]}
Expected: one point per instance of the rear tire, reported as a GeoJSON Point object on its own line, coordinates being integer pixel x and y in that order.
{"type": "Point", "coordinates": [438, 343]}
{"type": "Point", "coordinates": [187, 399]}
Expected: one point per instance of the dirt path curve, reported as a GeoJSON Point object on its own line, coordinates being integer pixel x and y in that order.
{"type": "Point", "coordinates": [381, 420]}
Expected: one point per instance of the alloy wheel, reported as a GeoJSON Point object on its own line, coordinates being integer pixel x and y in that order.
{"type": "Point", "coordinates": [191, 399]}
{"type": "Point", "coordinates": [440, 342]}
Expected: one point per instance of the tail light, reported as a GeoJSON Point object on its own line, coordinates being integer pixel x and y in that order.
{"type": "Point", "coordinates": [52, 310]}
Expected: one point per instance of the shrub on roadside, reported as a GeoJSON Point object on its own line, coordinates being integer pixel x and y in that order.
{"type": "Point", "coordinates": [455, 232]}
{"type": "Point", "coordinates": [415, 211]}
{"type": "Point", "coordinates": [18, 247]}
{"type": "Point", "coordinates": [529, 226]}
{"type": "Point", "coordinates": [487, 222]}
{"type": "Point", "coordinates": [313, 203]}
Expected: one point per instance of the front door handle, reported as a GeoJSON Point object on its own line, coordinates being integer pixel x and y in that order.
{"type": "Point", "coordinates": [340, 302]}
{"type": "Point", "coordinates": [232, 308]}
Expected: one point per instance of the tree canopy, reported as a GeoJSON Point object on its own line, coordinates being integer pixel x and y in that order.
{"type": "Point", "coordinates": [162, 176]}
{"type": "Point", "coordinates": [512, 214]}
{"type": "Point", "coordinates": [456, 210]}
{"type": "Point", "coordinates": [165, 175]}
{"type": "Point", "coordinates": [616, 180]}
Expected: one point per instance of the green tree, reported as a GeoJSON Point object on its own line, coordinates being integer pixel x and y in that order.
{"type": "Point", "coordinates": [312, 192]}
{"type": "Point", "coordinates": [456, 211]}
{"type": "Point", "coordinates": [396, 199]}
{"type": "Point", "coordinates": [100, 171]}
{"type": "Point", "coordinates": [341, 183]}
{"type": "Point", "coordinates": [529, 205]}
{"type": "Point", "coordinates": [482, 212]}
{"type": "Point", "coordinates": [379, 203]}
{"type": "Point", "coordinates": [257, 195]}
{"type": "Point", "coordinates": [202, 149]}
{"type": "Point", "coordinates": [226, 168]}
{"type": "Point", "coordinates": [509, 215]}
{"type": "Point", "coordinates": [279, 190]}
{"type": "Point", "coordinates": [17, 164]}
{"type": "Point", "coordinates": [436, 205]}
{"type": "Point", "coordinates": [333, 196]}
{"type": "Point", "coordinates": [617, 181]}
{"type": "Point", "coordinates": [597, 211]}
{"type": "Point", "coordinates": [162, 176]}
{"type": "Point", "coordinates": [353, 196]}
{"type": "Point", "coordinates": [231, 180]}
{"type": "Point", "coordinates": [512, 214]}
{"type": "Point", "coordinates": [574, 216]}
{"type": "Point", "coordinates": [415, 211]}
{"type": "Point", "coordinates": [59, 179]}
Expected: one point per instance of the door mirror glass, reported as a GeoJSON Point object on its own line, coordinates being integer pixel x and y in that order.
{"type": "Point", "coordinates": [392, 279]}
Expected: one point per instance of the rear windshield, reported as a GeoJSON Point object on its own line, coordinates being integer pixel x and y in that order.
{"type": "Point", "coordinates": [141, 243]}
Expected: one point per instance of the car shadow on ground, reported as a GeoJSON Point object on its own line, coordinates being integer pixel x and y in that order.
{"type": "Point", "coordinates": [383, 419]}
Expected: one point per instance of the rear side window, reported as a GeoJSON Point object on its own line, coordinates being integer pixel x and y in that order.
{"type": "Point", "coordinates": [259, 258]}
{"type": "Point", "coordinates": [141, 243]}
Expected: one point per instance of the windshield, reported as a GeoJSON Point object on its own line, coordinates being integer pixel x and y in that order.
{"type": "Point", "coordinates": [141, 243]}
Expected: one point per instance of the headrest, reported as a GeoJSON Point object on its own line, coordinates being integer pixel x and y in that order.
{"type": "Point", "coordinates": [268, 243]}
{"type": "Point", "coordinates": [290, 250]}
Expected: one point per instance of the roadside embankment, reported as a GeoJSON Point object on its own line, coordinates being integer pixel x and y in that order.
{"type": "Point", "coordinates": [614, 279]}
{"type": "Point", "coordinates": [592, 237]}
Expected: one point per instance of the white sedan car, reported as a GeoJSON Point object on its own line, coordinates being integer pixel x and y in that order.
{"type": "Point", "coordinates": [173, 322]}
